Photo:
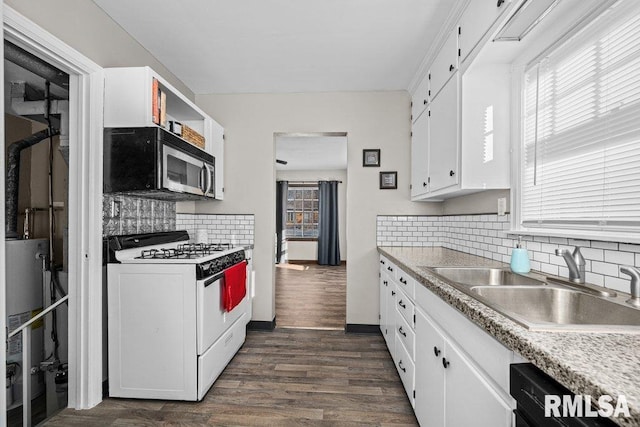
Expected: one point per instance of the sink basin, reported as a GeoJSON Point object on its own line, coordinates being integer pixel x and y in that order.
{"type": "Point", "coordinates": [556, 308]}
{"type": "Point", "coordinates": [472, 276]}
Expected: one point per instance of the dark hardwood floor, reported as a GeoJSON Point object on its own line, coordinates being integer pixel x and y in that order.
{"type": "Point", "coordinates": [288, 377]}
{"type": "Point", "coordinates": [311, 298]}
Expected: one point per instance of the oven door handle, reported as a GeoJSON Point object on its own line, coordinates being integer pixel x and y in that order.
{"type": "Point", "coordinates": [213, 279]}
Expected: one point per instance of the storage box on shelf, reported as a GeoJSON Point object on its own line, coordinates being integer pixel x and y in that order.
{"type": "Point", "coordinates": [460, 138]}
{"type": "Point", "coordinates": [443, 358]}
{"type": "Point", "coordinates": [139, 97]}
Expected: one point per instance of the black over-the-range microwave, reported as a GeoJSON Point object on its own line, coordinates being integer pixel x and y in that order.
{"type": "Point", "coordinates": [152, 162]}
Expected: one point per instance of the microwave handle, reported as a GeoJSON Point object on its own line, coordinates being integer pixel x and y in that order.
{"type": "Point", "coordinates": [209, 179]}
{"type": "Point", "coordinates": [203, 181]}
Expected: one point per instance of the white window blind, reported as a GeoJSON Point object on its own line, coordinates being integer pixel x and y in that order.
{"type": "Point", "coordinates": [581, 147]}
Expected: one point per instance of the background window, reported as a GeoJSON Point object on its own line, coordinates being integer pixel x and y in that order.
{"type": "Point", "coordinates": [580, 159]}
{"type": "Point", "coordinates": [302, 212]}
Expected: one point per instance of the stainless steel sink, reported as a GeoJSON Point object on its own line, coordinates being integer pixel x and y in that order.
{"type": "Point", "coordinates": [472, 276]}
{"type": "Point", "coordinates": [556, 308]}
{"type": "Point", "coordinates": [544, 303]}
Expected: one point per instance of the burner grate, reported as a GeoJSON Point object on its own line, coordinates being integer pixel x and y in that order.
{"type": "Point", "coordinates": [185, 251]}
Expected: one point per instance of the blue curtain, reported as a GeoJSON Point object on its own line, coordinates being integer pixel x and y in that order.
{"type": "Point", "coordinates": [328, 234]}
{"type": "Point", "coordinates": [282, 190]}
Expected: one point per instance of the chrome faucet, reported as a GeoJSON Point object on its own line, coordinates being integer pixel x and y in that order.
{"type": "Point", "coordinates": [575, 262]}
{"type": "Point", "coordinates": [634, 273]}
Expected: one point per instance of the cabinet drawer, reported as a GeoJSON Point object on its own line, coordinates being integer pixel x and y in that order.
{"type": "Point", "coordinates": [406, 369]}
{"type": "Point", "coordinates": [406, 335]}
{"type": "Point", "coordinates": [405, 307]}
{"type": "Point", "coordinates": [388, 267]}
{"type": "Point", "coordinates": [406, 283]}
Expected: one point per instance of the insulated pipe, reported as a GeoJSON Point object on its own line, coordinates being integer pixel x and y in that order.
{"type": "Point", "coordinates": [13, 178]}
{"type": "Point", "coordinates": [30, 62]}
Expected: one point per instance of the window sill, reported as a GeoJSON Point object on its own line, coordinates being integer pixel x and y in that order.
{"type": "Point", "coordinates": [302, 239]}
{"type": "Point", "coordinates": [602, 236]}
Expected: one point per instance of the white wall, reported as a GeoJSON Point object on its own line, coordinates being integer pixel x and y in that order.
{"type": "Point", "coordinates": [297, 250]}
{"type": "Point", "coordinates": [89, 30]}
{"type": "Point", "coordinates": [371, 120]}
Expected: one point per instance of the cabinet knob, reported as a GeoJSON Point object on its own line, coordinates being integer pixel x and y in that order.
{"type": "Point", "coordinates": [402, 367]}
{"type": "Point", "coordinates": [445, 363]}
{"type": "Point", "coordinates": [500, 3]}
{"type": "Point", "coordinates": [403, 333]}
{"type": "Point", "coordinates": [451, 173]}
{"type": "Point", "coordinates": [451, 67]}
{"type": "Point", "coordinates": [424, 184]}
{"type": "Point", "coordinates": [401, 304]}
{"type": "Point", "coordinates": [436, 351]}
{"type": "Point", "coordinates": [393, 293]}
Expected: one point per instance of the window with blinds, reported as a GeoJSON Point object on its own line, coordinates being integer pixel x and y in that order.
{"type": "Point", "coordinates": [581, 124]}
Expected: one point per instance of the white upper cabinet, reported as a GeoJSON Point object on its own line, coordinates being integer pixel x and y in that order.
{"type": "Point", "coordinates": [420, 156]}
{"type": "Point", "coordinates": [445, 64]}
{"type": "Point", "coordinates": [140, 97]}
{"type": "Point", "coordinates": [477, 19]}
{"type": "Point", "coordinates": [420, 99]}
{"type": "Point", "coordinates": [443, 138]}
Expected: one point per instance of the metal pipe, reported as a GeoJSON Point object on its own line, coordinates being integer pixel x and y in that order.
{"type": "Point", "coordinates": [13, 179]}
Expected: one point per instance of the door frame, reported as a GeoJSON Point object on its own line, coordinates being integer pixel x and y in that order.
{"type": "Point", "coordinates": [86, 87]}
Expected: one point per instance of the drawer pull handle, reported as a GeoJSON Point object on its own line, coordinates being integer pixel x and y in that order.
{"type": "Point", "coordinates": [389, 268]}
{"type": "Point", "coordinates": [404, 282]}
{"type": "Point", "coordinates": [500, 3]}
{"type": "Point", "coordinates": [445, 363]}
{"type": "Point", "coordinates": [451, 67]}
{"type": "Point", "coordinates": [402, 367]}
{"type": "Point", "coordinates": [404, 334]}
{"type": "Point", "coordinates": [393, 293]}
{"type": "Point", "coordinates": [401, 304]}
{"type": "Point", "coordinates": [382, 262]}
{"type": "Point", "coordinates": [386, 283]}
{"type": "Point", "coordinates": [436, 351]}
{"type": "Point", "coordinates": [424, 102]}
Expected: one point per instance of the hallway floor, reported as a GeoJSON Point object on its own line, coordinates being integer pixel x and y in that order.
{"type": "Point", "coordinates": [288, 377]}
{"type": "Point", "coordinates": [312, 298]}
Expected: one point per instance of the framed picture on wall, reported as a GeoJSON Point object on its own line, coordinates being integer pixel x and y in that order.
{"type": "Point", "coordinates": [371, 157]}
{"type": "Point", "coordinates": [388, 180]}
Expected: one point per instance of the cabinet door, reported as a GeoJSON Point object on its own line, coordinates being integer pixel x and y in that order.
{"type": "Point", "coordinates": [464, 386]}
{"type": "Point", "coordinates": [218, 152]}
{"type": "Point", "coordinates": [429, 374]}
{"type": "Point", "coordinates": [420, 98]}
{"type": "Point", "coordinates": [391, 314]}
{"type": "Point", "coordinates": [384, 290]}
{"type": "Point", "coordinates": [476, 20]}
{"type": "Point", "coordinates": [445, 64]}
{"type": "Point", "coordinates": [419, 155]}
{"type": "Point", "coordinates": [443, 138]}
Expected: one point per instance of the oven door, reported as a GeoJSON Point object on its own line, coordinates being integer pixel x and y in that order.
{"type": "Point", "coordinates": [183, 173]}
{"type": "Point", "coordinates": [212, 319]}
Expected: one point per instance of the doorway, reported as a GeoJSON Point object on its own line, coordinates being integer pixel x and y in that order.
{"type": "Point", "coordinates": [84, 208]}
{"type": "Point", "coordinates": [310, 295]}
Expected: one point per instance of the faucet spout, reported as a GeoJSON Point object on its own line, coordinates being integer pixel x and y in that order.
{"type": "Point", "coordinates": [575, 262]}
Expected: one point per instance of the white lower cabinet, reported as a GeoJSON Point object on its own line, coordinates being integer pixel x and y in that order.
{"type": "Point", "coordinates": [454, 373]}
{"type": "Point", "coordinates": [444, 378]}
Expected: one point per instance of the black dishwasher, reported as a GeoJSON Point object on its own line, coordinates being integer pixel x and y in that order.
{"type": "Point", "coordinates": [528, 386]}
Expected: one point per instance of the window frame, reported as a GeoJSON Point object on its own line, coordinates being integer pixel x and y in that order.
{"type": "Point", "coordinates": [302, 238]}
{"type": "Point", "coordinates": [519, 69]}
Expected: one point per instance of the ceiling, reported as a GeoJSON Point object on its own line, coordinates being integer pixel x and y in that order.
{"type": "Point", "coordinates": [311, 152]}
{"type": "Point", "coordinates": [257, 46]}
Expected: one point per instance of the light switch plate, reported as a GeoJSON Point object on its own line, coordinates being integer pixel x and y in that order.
{"type": "Point", "coordinates": [115, 208]}
{"type": "Point", "coordinates": [502, 206]}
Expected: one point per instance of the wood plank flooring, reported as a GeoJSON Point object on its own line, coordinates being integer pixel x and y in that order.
{"type": "Point", "coordinates": [313, 298]}
{"type": "Point", "coordinates": [288, 377]}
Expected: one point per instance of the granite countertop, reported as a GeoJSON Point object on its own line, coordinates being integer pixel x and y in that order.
{"type": "Point", "coordinates": [586, 363]}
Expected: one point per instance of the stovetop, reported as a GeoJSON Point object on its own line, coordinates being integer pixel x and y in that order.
{"type": "Point", "coordinates": [185, 251]}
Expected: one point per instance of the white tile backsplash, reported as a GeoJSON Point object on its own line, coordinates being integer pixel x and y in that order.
{"type": "Point", "coordinates": [485, 236]}
{"type": "Point", "coordinates": [234, 229]}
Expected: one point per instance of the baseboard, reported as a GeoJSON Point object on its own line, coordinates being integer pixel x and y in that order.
{"type": "Point", "coordinates": [261, 325]}
{"type": "Point", "coordinates": [358, 328]}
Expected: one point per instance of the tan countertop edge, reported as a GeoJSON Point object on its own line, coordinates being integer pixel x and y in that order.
{"type": "Point", "coordinates": [566, 356]}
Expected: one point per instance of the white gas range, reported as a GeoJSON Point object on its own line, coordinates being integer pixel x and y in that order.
{"type": "Point", "coordinates": [169, 335]}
